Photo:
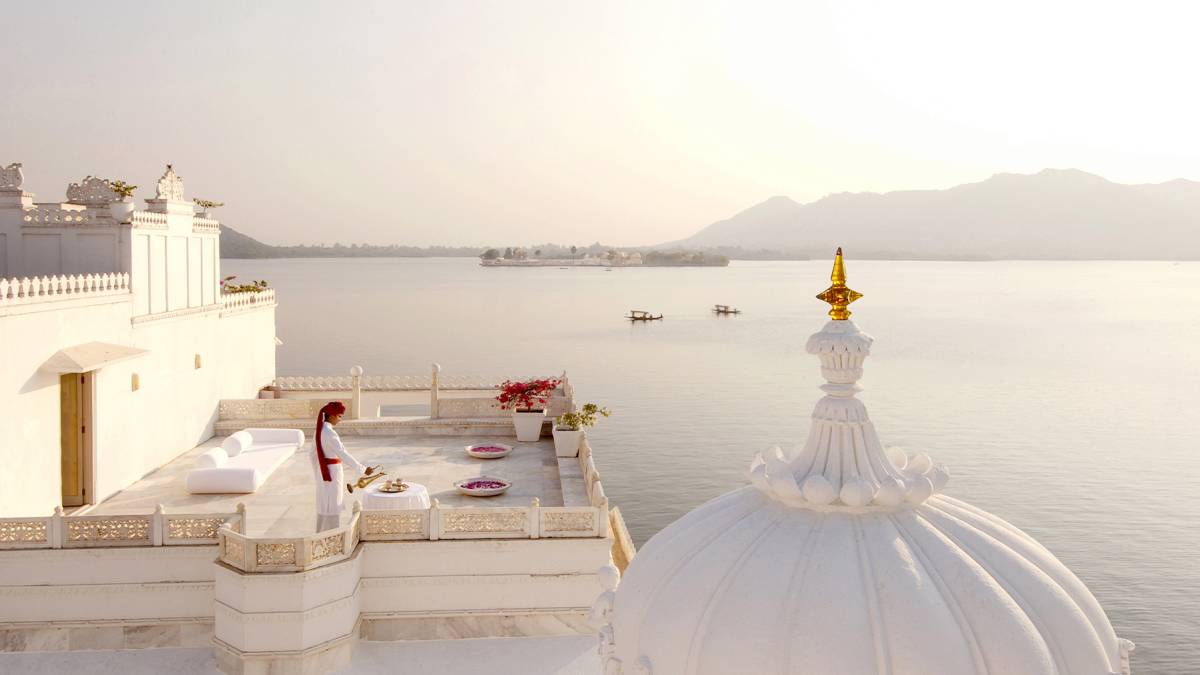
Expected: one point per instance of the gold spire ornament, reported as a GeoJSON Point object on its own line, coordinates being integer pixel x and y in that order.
{"type": "Point", "coordinates": [839, 295]}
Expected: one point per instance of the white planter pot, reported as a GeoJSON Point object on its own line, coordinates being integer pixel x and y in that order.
{"type": "Point", "coordinates": [566, 442]}
{"type": "Point", "coordinates": [528, 425]}
{"type": "Point", "coordinates": [121, 210]}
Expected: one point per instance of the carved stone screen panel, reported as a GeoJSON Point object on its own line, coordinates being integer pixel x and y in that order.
{"type": "Point", "coordinates": [484, 523]}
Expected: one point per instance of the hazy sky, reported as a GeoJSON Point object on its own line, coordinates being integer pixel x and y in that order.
{"type": "Point", "coordinates": [566, 121]}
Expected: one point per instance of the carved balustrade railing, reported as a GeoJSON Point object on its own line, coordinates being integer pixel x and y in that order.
{"type": "Point", "coordinates": [389, 389]}
{"type": "Point", "coordinates": [207, 225]}
{"type": "Point", "coordinates": [288, 554]}
{"type": "Point", "coordinates": [56, 215]}
{"type": "Point", "coordinates": [29, 290]}
{"type": "Point", "coordinates": [109, 531]}
{"type": "Point", "coordinates": [234, 302]}
{"type": "Point", "coordinates": [147, 220]}
{"type": "Point", "coordinates": [296, 554]}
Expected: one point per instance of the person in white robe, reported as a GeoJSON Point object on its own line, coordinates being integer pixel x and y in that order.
{"type": "Point", "coordinates": [329, 463]}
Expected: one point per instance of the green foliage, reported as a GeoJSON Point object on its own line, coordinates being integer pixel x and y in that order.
{"type": "Point", "coordinates": [253, 287]}
{"type": "Point", "coordinates": [122, 188]}
{"type": "Point", "coordinates": [208, 204]}
{"type": "Point", "coordinates": [587, 416]}
{"type": "Point", "coordinates": [490, 254]}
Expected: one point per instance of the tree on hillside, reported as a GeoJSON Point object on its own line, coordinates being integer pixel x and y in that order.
{"type": "Point", "coordinates": [508, 253]}
{"type": "Point", "coordinates": [490, 254]}
{"type": "Point", "coordinates": [573, 250]}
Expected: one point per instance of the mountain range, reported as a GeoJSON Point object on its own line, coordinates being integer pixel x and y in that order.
{"type": "Point", "coordinates": [1053, 214]}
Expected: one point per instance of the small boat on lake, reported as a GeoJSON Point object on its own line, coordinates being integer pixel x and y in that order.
{"type": "Point", "coordinates": [726, 309]}
{"type": "Point", "coordinates": [639, 315]}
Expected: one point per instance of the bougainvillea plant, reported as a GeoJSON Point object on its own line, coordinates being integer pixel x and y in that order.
{"type": "Point", "coordinates": [522, 396]}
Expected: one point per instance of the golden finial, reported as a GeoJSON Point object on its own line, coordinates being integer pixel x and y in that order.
{"type": "Point", "coordinates": [839, 296]}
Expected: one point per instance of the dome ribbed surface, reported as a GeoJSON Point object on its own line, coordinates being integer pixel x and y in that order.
{"type": "Point", "coordinates": [746, 584]}
{"type": "Point", "coordinates": [845, 559]}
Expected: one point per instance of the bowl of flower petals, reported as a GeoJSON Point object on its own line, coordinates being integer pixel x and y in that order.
{"type": "Point", "coordinates": [489, 450]}
{"type": "Point", "coordinates": [482, 486]}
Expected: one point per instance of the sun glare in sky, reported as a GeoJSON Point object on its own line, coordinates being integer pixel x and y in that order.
{"type": "Point", "coordinates": [629, 123]}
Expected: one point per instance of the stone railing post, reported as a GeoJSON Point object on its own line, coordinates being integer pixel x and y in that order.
{"type": "Point", "coordinates": [433, 391]}
{"type": "Point", "coordinates": [157, 525]}
{"type": "Point", "coordinates": [535, 518]}
{"type": "Point", "coordinates": [435, 520]}
{"type": "Point", "coordinates": [356, 392]}
{"type": "Point", "coordinates": [57, 533]}
{"type": "Point", "coordinates": [241, 511]}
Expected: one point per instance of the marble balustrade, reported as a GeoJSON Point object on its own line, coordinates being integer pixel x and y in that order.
{"type": "Point", "coordinates": [110, 531]}
{"type": "Point", "coordinates": [298, 554]}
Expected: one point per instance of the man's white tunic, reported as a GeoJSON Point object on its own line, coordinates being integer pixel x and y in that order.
{"type": "Point", "coordinates": [331, 494]}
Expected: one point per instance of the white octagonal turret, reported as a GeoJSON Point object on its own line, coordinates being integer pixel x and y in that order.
{"type": "Point", "coordinates": [845, 559]}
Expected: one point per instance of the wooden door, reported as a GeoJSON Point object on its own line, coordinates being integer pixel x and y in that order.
{"type": "Point", "coordinates": [75, 432]}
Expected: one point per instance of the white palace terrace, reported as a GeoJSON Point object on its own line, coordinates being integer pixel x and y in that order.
{"type": "Point", "coordinates": [124, 361]}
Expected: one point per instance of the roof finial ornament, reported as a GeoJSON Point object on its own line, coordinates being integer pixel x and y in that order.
{"type": "Point", "coordinates": [839, 296]}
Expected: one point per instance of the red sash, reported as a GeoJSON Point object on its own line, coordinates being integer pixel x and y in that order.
{"type": "Point", "coordinates": [322, 460]}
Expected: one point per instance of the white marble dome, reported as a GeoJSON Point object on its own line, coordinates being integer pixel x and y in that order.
{"type": "Point", "coordinates": [844, 559]}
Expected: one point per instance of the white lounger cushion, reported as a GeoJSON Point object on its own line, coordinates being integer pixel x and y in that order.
{"type": "Point", "coordinates": [225, 480]}
{"type": "Point", "coordinates": [268, 436]}
{"type": "Point", "coordinates": [244, 461]}
{"type": "Point", "coordinates": [212, 459]}
{"type": "Point", "coordinates": [237, 443]}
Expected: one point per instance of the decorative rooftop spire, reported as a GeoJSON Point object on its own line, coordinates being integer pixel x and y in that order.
{"type": "Point", "coordinates": [839, 296]}
{"type": "Point", "coordinates": [843, 464]}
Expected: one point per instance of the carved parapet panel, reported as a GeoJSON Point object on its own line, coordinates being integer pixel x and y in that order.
{"type": "Point", "coordinates": [327, 547]}
{"type": "Point", "coordinates": [27, 533]}
{"type": "Point", "coordinates": [484, 523]}
{"type": "Point", "coordinates": [278, 554]}
{"type": "Point", "coordinates": [145, 220]}
{"type": "Point", "coordinates": [11, 177]}
{"type": "Point", "coordinates": [384, 525]}
{"type": "Point", "coordinates": [314, 383]}
{"type": "Point", "coordinates": [269, 409]}
{"type": "Point", "coordinates": [92, 191]}
{"type": "Point", "coordinates": [107, 531]}
{"type": "Point", "coordinates": [53, 216]}
{"type": "Point", "coordinates": [170, 186]}
{"type": "Point", "coordinates": [234, 552]}
{"type": "Point", "coordinates": [396, 382]}
{"type": "Point", "coordinates": [205, 225]}
{"type": "Point", "coordinates": [236, 302]}
{"type": "Point", "coordinates": [192, 528]}
{"type": "Point", "coordinates": [470, 408]}
{"type": "Point", "coordinates": [568, 523]}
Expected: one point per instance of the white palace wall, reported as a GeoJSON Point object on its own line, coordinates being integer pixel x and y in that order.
{"type": "Point", "coordinates": [199, 346]}
{"type": "Point", "coordinates": [29, 396]}
{"type": "Point", "coordinates": [135, 431]}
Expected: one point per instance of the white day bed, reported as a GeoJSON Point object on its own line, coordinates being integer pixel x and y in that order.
{"type": "Point", "coordinates": [244, 461]}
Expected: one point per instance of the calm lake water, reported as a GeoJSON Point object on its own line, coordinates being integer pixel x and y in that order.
{"type": "Point", "coordinates": [1063, 396]}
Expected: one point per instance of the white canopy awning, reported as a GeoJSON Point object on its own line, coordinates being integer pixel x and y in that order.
{"type": "Point", "coordinates": [89, 356]}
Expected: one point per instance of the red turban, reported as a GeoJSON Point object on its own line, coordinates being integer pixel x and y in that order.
{"type": "Point", "coordinates": [331, 408]}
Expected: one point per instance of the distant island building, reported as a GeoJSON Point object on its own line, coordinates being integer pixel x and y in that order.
{"type": "Point", "coordinates": [521, 257]}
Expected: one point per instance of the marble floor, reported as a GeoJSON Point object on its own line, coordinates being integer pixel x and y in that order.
{"type": "Point", "coordinates": [284, 505]}
{"type": "Point", "coordinates": [563, 655]}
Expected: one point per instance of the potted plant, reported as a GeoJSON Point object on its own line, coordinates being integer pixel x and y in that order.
{"type": "Point", "coordinates": [123, 206]}
{"type": "Point", "coordinates": [524, 400]}
{"type": "Point", "coordinates": [227, 285]}
{"type": "Point", "coordinates": [568, 428]}
{"type": "Point", "coordinates": [207, 205]}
